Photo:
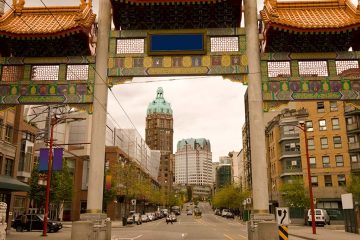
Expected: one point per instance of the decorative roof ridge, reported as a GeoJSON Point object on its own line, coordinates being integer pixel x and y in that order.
{"type": "Point", "coordinates": [271, 7]}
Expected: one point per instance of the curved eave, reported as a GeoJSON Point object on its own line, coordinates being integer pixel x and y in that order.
{"type": "Point", "coordinates": [45, 35]}
{"type": "Point", "coordinates": [301, 30]}
{"type": "Point", "coordinates": [167, 2]}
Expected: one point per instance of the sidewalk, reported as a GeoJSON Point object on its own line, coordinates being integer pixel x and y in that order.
{"type": "Point", "coordinates": [322, 233]}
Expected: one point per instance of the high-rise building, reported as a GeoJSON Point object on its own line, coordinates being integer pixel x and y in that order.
{"type": "Point", "coordinates": [328, 151]}
{"type": "Point", "coordinates": [193, 162]}
{"type": "Point", "coordinates": [159, 136]}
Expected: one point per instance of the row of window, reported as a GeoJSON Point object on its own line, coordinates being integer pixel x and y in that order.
{"type": "Point", "coordinates": [325, 143]}
{"type": "Point", "coordinates": [328, 180]}
{"type": "Point", "coordinates": [309, 68]}
{"type": "Point", "coordinates": [339, 161]}
{"type": "Point", "coordinates": [9, 131]}
{"type": "Point", "coordinates": [14, 73]}
{"type": "Point", "coordinates": [321, 107]}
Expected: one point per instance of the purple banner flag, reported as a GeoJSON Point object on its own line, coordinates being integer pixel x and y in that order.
{"type": "Point", "coordinates": [57, 160]}
{"type": "Point", "coordinates": [44, 158]}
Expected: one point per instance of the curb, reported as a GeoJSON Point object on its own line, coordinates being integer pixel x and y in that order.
{"type": "Point", "coordinates": [303, 237]}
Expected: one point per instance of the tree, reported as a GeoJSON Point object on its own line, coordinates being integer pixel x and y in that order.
{"type": "Point", "coordinates": [354, 187]}
{"type": "Point", "coordinates": [229, 196]}
{"type": "Point", "coordinates": [294, 193]}
{"type": "Point", "coordinates": [61, 188]}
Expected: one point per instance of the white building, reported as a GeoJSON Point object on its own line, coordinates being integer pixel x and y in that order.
{"type": "Point", "coordinates": [193, 162]}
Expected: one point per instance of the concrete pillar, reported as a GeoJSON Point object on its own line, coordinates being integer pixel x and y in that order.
{"type": "Point", "coordinates": [98, 128]}
{"type": "Point", "coordinates": [257, 134]}
{"type": "Point", "coordinates": [82, 230]}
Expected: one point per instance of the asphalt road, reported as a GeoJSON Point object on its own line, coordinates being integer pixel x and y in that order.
{"type": "Point", "coordinates": [208, 227]}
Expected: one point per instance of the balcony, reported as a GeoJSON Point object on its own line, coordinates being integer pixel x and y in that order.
{"type": "Point", "coordinates": [352, 127]}
{"type": "Point", "coordinates": [354, 146]}
{"type": "Point", "coordinates": [290, 154]}
{"type": "Point", "coordinates": [290, 171]}
{"type": "Point", "coordinates": [355, 167]}
{"type": "Point", "coordinates": [288, 136]}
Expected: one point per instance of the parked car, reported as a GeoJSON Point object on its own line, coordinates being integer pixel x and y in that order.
{"type": "Point", "coordinates": [217, 212]}
{"type": "Point", "coordinates": [229, 215]}
{"type": "Point", "coordinates": [134, 218]}
{"type": "Point", "coordinates": [171, 218]}
{"type": "Point", "coordinates": [224, 212]}
{"type": "Point", "coordinates": [189, 212]}
{"type": "Point", "coordinates": [321, 217]}
{"type": "Point", "coordinates": [35, 222]}
{"type": "Point", "coordinates": [145, 218]}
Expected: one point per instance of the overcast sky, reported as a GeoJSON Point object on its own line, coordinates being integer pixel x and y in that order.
{"type": "Point", "coordinates": [210, 107]}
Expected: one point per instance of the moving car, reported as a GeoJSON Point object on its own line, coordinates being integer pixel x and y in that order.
{"type": "Point", "coordinates": [35, 222]}
{"type": "Point", "coordinates": [321, 217]}
{"type": "Point", "coordinates": [171, 218]}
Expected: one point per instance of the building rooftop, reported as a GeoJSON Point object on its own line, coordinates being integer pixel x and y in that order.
{"type": "Point", "coordinates": [194, 141]}
{"type": "Point", "coordinates": [159, 105]}
{"type": "Point", "coordinates": [310, 15]}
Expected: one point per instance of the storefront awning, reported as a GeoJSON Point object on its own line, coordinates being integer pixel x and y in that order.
{"type": "Point", "coordinates": [12, 184]}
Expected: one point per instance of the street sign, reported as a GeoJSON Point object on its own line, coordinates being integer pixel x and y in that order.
{"type": "Point", "coordinates": [133, 202]}
{"type": "Point", "coordinates": [282, 216]}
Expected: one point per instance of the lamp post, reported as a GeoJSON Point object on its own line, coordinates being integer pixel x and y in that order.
{"type": "Point", "coordinates": [187, 170]}
{"type": "Point", "coordinates": [53, 122]}
{"type": "Point", "coordinates": [302, 127]}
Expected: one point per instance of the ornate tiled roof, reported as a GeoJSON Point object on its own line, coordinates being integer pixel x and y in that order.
{"type": "Point", "coordinates": [167, 1]}
{"type": "Point", "coordinates": [39, 22]}
{"type": "Point", "coordinates": [311, 15]}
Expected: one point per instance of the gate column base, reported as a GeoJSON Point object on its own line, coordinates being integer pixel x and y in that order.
{"type": "Point", "coordinates": [262, 227]}
{"type": "Point", "coordinates": [93, 226]}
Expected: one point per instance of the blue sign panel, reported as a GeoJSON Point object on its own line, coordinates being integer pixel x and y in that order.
{"type": "Point", "coordinates": [186, 43]}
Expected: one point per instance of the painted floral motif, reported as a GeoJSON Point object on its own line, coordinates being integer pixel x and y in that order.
{"type": "Point", "coordinates": [335, 86]}
{"type": "Point", "coordinates": [274, 86]}
{"type": "Point", "coordinates": [315, 86]}
{"type": "Point", "coordinates": [81, 89]}
{"type": "Point", "coordinates": [355, 85]}
{"type": "Point", "coordinates": [295, 86]}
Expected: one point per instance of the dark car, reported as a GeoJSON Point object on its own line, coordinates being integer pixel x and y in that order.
{"type": "Point", "coordinates": [35, 222]}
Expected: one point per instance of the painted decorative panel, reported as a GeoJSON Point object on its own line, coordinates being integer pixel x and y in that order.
{"type": "Point", "coordinates": [227, 58]}
{"type": "Point", "coordinates": [310, 76]}
{"type": "Point", "coordinates": [67, 80]}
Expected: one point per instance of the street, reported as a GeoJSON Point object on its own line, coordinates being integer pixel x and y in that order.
{"type": "Point", "coordinates": [207, 227]}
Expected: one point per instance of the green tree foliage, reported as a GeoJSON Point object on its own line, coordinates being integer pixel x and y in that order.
{"type": "Point", "coordinates": [354, 186]}
{"type": "Point", "coordinates": [294, 193]}
{"type": "Point", "coordinates": [61, 185]}
{"type": "Point", "coordinates": [229, 196]}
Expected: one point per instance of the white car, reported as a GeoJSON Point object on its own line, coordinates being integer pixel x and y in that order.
{"type": "Point", "coordinates": [321, 217]}
{"type": "Point", "coordinates": [225, 212]}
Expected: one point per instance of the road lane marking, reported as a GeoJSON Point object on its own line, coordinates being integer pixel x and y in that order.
{"type": "Point", "coordinates": [128, 238]}
{"type": "Point", "coordinates": [243, 236]}
{"type": "Point", "coordinates": [228, 237]}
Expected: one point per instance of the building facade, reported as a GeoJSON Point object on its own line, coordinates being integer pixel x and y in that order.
{"type": "Point", "coordinates": [159, 136]}
{"type": "Point", "coordinates": [193, 162]}
{"type": "Point", "coordinates": [352, 117]}
{"type": "Point", "coordinates": [328, 151]}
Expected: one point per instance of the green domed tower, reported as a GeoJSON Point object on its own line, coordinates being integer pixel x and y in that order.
{"type": "Point", "coordinates": [159, 136]}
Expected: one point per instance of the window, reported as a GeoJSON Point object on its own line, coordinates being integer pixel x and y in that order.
{"type": "Point", "coordinates": [339, 160]}
{"type": "Point", "coordinates": [322, 125]}
{"type": "Point", "coordinates": [326, 161]}
{"type": "Point", "coordinates": [9, 131]}
{"type": "Point", "coordinates": [354, 158]}
{"type": "Point", "coordinates": [337, 142]}
{"type": "Point", "coordinates": [335, 123]}
{"type": "Point", "coordinates": [328, 181]}
{"type": "Point", "coordinates": [349, 121]}
{"type": "Point", "coordinates": [312, 162]}
{"type": "Point", "coordinates": [352, 139]}
{"type": "Point", "coordinates": [311, 144]}
{"type": "Point", "coordinates": [1, 164]}
{"type": "Point", "coordinates": [324, 143]}
{"type": "Point", "coordinates": [292, 147]}
{"type": "Point", "coordinates": [290, 130]}
{"type": "Point", "coordinates": [309, 126]}
{"type": "Point", "coordinates": [314, 181]}
{"type": "Point", "coordinates": [333, 106]}
{"type": "Point", "coordinates": [341, 179]}
{"type": "Point", "coordinates": [9, 166]}
{"type": "Point", "coordinates": [320, 107]}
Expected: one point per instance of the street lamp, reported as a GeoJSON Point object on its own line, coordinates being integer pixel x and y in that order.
{"type": "Point", "coordinates": [186, 155]}
{"type": "Point", "coordinates": [53, 121]}
{"type": "Point", "coordinates": [302, 127]}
